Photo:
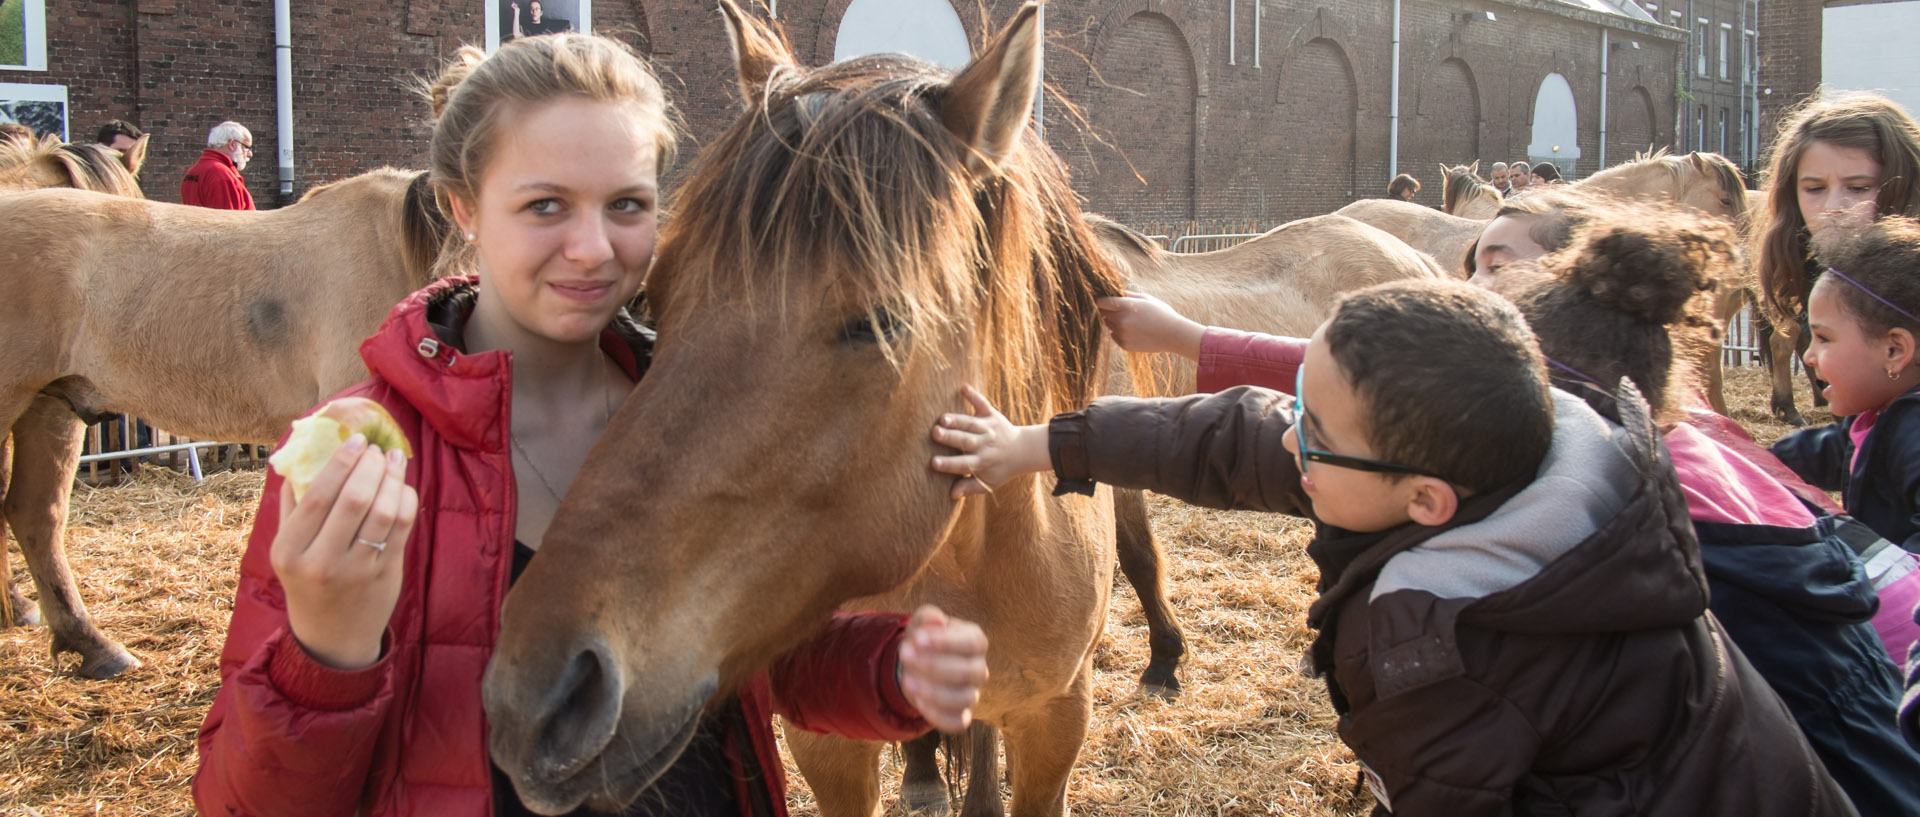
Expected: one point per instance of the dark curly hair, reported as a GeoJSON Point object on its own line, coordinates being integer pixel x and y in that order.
{"type": "Point", "coordinates": [1626, 297]}
{"type": "Point", "coordinates": [1884, 257]}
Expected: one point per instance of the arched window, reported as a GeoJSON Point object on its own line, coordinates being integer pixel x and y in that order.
{"type": "Point", "coordinates": [928, 29]}
{"type": "Point", "coordinates": [1556, 126]}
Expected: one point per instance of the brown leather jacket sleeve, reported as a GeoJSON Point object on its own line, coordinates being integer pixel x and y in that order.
{"type": "Point", "coordinates": [1223, 450]}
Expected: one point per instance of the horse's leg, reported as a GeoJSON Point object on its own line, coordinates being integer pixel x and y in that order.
{"type": "Point", "coordinates": [843, 774]}
{"type": "Point", "coordinates": [1777, 353]}
{"type": "Point", "coordinates": [1042, 744]}
{"type": "Point", "coordinates": [15, 609]}
{"type": "Point", "coordinates": [921, 786]}
{"type": "Point", "coordinates": [1140, 560]}
{"type": "Point", "coordinates": [983, 772]}
{"type": "Point", "coordinates": [46, 443]}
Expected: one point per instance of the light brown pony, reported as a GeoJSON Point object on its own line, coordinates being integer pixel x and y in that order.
{"type": "Point", "coordinates": [1463, 194]}
{"type": "Point", "coordinates": [1282, 283]}
{"type": "Point", "coordinates": [1711, 184]}
{"type": "Point", "coordinates": [1445, 238]}
{"type": "Point", "coordinates": [220, 325]}
{"type": "Point", "coordinates": [79, 165]}
{"type": "Point", "coordinates": [863, 240]}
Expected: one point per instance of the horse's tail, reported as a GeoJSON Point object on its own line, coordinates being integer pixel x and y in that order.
{"type": "Point", "coordinates": [425, 231]}
{"type": "Point", "coordinates": [978, 762]}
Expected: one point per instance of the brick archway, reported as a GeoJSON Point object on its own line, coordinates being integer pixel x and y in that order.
{"type": "Point", "coordinates": [1149, 170]}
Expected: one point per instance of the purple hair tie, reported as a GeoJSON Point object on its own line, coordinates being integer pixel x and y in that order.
{"type": "Point", "coordinates": [1573, 371]}
{"type": "Point", "coordinates": [1874, 295]}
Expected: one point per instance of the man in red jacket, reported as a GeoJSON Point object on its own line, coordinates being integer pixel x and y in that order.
{"type": "Point", "coordinates": [214, 181]}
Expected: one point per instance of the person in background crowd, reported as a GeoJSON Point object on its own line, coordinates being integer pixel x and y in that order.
{"type": "Point", "coordinates": [1546, 173]}
{"type": "Point", "coordinates": [1519, 178]}
{"type": "Point", "coordinates": [214, 181]}
{"type": "Point", "coordinates": [1499, 178]}
{"type": "Point", "coordinates": [119, 134]}
{"type": "Point", "coordinates": [1403, 187]}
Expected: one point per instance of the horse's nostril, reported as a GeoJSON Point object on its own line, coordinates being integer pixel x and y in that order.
{"type": "Point", "coordinates": [582, 710]}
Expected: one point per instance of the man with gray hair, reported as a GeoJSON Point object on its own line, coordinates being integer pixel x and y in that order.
{"type": "Point", "coordinates": [214, 181]}
{"type": "Point", "coordinates": [1499, 177]}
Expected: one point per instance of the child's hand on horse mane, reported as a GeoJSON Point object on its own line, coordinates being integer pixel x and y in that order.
{"type": "Point", "coordinates": [943, 665]}
{"type": "Point", "coordinates": [1144, 324]}
{"type": "Point", "coordinates": [992, 449]}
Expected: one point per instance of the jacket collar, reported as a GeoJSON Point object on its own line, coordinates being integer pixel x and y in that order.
{"type": "Point", "coordinates": [420, 350]}
{"type": "Point", "coordinates": [224, 159]}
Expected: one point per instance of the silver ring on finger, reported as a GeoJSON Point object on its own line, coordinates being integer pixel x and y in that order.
{"type": "Point", "coordinates": [379, 546]}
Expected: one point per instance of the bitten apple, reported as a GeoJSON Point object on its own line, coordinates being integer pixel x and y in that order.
{"type": "Point", "coordinates": [316, 436]}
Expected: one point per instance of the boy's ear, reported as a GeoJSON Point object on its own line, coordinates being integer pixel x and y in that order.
{"type": "Point", "coordinates": [1433, 501]}
{"type": "Point", "coordinates": [1900, 350]}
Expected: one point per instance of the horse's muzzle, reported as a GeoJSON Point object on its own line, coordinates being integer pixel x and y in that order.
{"type": "Point", "coordinates": [558, 745]}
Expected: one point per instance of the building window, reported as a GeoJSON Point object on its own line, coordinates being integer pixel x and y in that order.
{"type": "Point", "coordinates": [1753, 56]}
{"type": "Point", "coordinates": [1700, 129]}
{"type": "Point", "coordinates": [1747, 136]}
{"type": "Point", "coordinates": [1723, 132]}
{"type": "Point", "coordinates": [1700, 46]}
{"type": "Point", "coordinates": [1726, 38]}
{"type": "Point", "coordinates": [1654, 9]}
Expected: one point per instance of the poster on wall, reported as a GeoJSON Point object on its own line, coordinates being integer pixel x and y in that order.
{"type": "Point", "coordinates": [23, 35]}
{"type": "Point", "coordinates": [509, 20]}
{"type": "Point", "coordinates": [40, 107]}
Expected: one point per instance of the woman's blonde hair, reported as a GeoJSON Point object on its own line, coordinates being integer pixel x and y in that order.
{"type": "Point", "coordinates": [474, 89]}
{"type": "Point", "coordinates": [1865, 121]}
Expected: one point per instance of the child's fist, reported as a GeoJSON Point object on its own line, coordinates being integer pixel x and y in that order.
{"type": "Point", "coordinates": [943, 665]}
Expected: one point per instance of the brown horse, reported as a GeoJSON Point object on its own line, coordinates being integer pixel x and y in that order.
{"type": "Point", "coordinates": [1446, 239]}
{"type": "Point", "coordinates": [863, 240]}
{"type": "Point", "coordinates": [1463, 194]}
{"type": "Point", "coordinates": [79, 165]}
{"type": "Point", "coordinates": [1706, 182]}
{"type": "Point", "coordinates": [217, 324]}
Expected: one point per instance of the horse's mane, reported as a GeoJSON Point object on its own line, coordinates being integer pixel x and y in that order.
{"type": "Point", "coordinates": [85, 166]}
{"type": "Point", "coordinates": [1457, 187]}
{"type": "Point", "coordinates": [849, 172]}
{"type": "Point", "coordinates": [1682, 169]}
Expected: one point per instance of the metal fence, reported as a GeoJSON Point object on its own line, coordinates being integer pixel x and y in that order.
{"type": "Point", "coordinates": [112, 446]}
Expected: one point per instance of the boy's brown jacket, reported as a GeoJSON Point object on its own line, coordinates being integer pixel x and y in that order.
{"type": "Point", "coordinates": [1547, 652]}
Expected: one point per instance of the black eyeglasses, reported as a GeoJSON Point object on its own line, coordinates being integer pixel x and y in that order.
{"type": "Point", "coordinates": [1337, 460]}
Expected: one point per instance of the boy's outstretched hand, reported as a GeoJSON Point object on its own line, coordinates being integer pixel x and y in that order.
{"type": "Point", "coordinates": [1144, 324]}
{"type": "Point", "coordinates": [992, 449]}
{"type": "Point", "coordinates": [943, 665]}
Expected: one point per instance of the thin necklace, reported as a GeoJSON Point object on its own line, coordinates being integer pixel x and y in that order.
{"type": "Point", "coordinates": [606, 395]}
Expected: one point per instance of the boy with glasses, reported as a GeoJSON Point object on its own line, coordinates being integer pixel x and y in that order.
{"type": "Point", "coordinates": [1511, 616]}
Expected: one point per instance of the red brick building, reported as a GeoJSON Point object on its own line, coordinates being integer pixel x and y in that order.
{"type": "Point", "coordinates": [1257, 109]}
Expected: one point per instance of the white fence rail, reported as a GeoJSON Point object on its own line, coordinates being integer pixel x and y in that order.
{"type": "Point", "coordinates": [112, 445]}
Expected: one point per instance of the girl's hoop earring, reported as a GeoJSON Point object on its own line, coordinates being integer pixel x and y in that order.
{"type": "Point", "coordinates": [1893, 375]}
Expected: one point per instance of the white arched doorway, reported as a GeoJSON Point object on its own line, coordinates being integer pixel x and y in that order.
{"type": "Point", "coordinates": [928, 29]}
{"type": "Point", "coordinates": [1556, 126]}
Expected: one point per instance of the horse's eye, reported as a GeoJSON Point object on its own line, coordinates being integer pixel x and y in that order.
{"type": "Point", "coordinates": [873, 328]}
{"type": "Point", "coordinates": [1727, 202]}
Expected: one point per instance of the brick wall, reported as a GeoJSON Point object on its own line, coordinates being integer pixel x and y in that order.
{"type": "Point", "coordinates": [1292, 120]}
{"type": "Point", "coordinates": [1790, 37]}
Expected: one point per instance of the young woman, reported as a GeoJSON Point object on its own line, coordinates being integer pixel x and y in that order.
{"type": "Point", "coordinates": [1832, 157]}
{"type": "Point", "coordinates": [368, 609]}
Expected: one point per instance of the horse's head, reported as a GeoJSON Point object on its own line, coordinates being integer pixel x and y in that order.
{"type": "Point", "coordinates": [1712, 184]}
{"type": "Point", "coordinates": [1706, 182]}
{"type": "Point", "coordinates": [865, 238]}
{"type": "Point", "coordinates": [1463, 194]}
{"type": "Point", "coordinates": [53, 163]}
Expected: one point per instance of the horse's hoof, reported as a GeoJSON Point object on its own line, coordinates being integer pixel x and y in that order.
{"type": "Point", "coordinates": [926, 797]}
{"type": "Point", "coordinates": [108, 666]}
{"type": "Point", "coordinates": [1164, 692]}
{"type": "Point", "coordinates": [100, 661]}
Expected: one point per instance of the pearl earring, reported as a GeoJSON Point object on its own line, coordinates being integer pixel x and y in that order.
{"type": "Point", "coordinates": [469, 238]}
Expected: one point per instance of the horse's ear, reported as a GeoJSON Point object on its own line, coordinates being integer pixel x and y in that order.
{"type": "Point", "coordinates": [135, 157]}
{"type": "Point", "coordinates": [988, 104]}
{"type": "Point", "coordinates": [758, 50]}
{"type": "Point", "coordinates": [1474, 169]}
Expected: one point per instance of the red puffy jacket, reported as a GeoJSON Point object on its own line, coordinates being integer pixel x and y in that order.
{"type": "Point", "coordinates": [213, 182]}
{"type": "Point", "coordinates": [407, 736]}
